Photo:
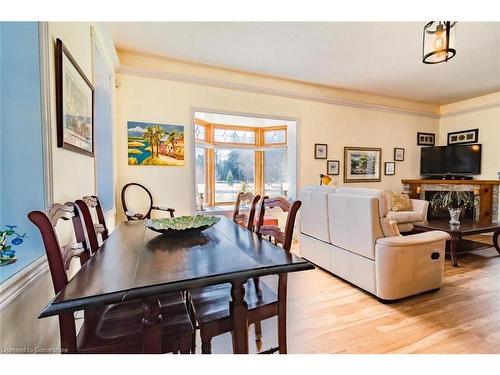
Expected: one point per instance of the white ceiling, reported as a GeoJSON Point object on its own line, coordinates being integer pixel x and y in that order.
{"type": "Point", "coordinates": [382, 58]}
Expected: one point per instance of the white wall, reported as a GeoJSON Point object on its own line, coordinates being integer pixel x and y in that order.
{"type": "Point", "coordinates": [164, 101]}
{"type": "Point", "coordinates": [482, 113]}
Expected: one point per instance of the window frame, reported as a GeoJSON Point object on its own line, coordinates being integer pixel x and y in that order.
{"type": "Point", "coordinates": [259, 148]}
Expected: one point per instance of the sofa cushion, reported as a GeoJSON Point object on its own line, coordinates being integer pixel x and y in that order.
{"type": "Point", "coordinates": [354, 223]}
{"type": "Point", "coordinates": [400, 202]}
{"type": "Point", "coordinates": [404, 216]}
{"type": "Point", "coordinates": [381, 195]}
{"type": "Point", "coordinates": [313, 212]}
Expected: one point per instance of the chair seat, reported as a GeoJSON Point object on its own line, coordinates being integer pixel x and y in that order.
{"type": "Point", "coordinates": [212, 303]}
{"type": "Point", "coordinates": [268, 220]}
{"type": "Point", "coordinates": [118, 328]}
{"type": "Point", "coordinates": [242, 219]}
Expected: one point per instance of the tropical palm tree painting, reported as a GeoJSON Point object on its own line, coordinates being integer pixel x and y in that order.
{"type": "Point", "coordinates": [155, 144]}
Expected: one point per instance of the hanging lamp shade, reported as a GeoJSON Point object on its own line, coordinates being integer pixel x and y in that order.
{"type": "Point", "coordinates": [439, 42]}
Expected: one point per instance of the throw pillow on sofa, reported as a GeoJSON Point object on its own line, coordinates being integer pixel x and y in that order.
{"type": "Point", "coordinates": [400, 202]}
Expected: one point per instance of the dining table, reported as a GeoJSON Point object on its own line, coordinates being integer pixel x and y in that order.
{"type": "Point", "coordinates": [137, 263]}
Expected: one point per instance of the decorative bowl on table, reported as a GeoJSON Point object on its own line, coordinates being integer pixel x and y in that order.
{"type": "Point", "coordinates": [182, 224]}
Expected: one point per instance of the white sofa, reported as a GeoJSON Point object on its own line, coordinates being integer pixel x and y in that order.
{"type": "Point", "coordinates": [346, 231]}
{"type": "Point", "coordinates": [406, 219]}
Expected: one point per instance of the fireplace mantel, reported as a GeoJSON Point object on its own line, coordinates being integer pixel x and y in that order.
{"type": "Point", "coordinates": [487, 190]}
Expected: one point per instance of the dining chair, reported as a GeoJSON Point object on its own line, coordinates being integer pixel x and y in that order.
{"type": "Point", "coordinates": [137, 215]}
{"type": "Point", "coordinates": [113, 328]}
{"type": "Point", "coordinates": [211, 304]}
{"type": "Point", "coordinates": [94, 229]}
{"type": "Point", "coordinates": [245, 220]}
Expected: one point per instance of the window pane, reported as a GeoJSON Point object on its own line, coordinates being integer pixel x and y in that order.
{"type": "Point", "coordinates": [274, 136]}
{"type": "Point", "coordinates": [234, 136]}
{"type": "Point", "coordinates": [234, 172]}
{"type": "Point", "coordinates": [274, 172]}
{"type": "Point", "coordinates": [200, 165]}
{"type": "Point", "coordinates": [199, 132]}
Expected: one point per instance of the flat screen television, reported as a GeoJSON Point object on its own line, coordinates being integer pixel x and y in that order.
{"type": "Point", "coordinates": [451, 160]}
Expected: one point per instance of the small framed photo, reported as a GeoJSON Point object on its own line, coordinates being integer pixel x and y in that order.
{"type": "Point", "coordinates": [320, 151]}
{"type": "Point", "coordinates": [426, 139]}
{"type": "Point", "coordinates": [390, 168]}
{"type": "Point", "coordinates": [74, 104]}
{"type": "Point", "coordinates": [465, 136]}
{"type": "Point", "coordinates": [399, 154]}
{"type": "Point", "coordinates": [332, 167]}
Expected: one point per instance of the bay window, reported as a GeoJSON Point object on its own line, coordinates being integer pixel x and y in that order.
{"type": "Point", "coordinates": [232, 159]}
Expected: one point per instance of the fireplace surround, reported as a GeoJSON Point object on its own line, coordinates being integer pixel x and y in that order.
{"type": "Point", "coordinates": [487, 192]}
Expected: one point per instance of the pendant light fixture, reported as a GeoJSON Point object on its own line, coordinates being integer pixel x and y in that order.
{"type": "Point", "coordinates": [439, 42]}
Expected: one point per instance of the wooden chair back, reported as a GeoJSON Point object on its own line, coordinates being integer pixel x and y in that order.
{"type": "Point", "coordinates": [280, 237]}
{"type": "Point", "coordinates": [93, 203]}
{"type": "Point", "coordinates": [136, 215]}
{"type": "Point", "coordinates": [92, 229]}
{"type": "Point", "coordinates": [247, 220]}
{"type": "Point", "coordinates": [59, 257]}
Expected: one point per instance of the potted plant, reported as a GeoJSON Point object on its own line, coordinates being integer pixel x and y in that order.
{"type": "Point", "coordinates": [454, 201]}
{"type": "Point", "coordinates": [7, 254]}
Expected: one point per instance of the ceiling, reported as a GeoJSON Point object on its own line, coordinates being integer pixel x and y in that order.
{"type": "Point", "coordinates": [382, 58]}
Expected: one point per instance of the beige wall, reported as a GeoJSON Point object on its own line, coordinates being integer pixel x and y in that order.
{"type": "Point", "coordinates": [482, 113]}
{"type": "Point", "coordinates": [147, 99]}
{"type": "Point", "coordinates": [73, 177]}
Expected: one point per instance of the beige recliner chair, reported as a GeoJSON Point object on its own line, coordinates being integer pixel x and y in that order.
{"type": "Point", "coordinates": [346, 231]}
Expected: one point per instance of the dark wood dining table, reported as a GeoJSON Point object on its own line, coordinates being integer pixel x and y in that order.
{"type": "Point", "coordinates": [136, 263]}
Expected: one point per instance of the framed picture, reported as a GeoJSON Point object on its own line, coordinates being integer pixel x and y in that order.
{"type": "Point", "coordinates": [362, 164]}
{"type": "Point", "coordinates": [74, 104]}
{"type": "Point", "coordinates": [332, 167]}
{"type": "Point", "coordinates": [155, 144]}
{"type": "Point", "coordinates": [390, 168]}
{"type": "Point", "coordinates": [426, 139]}
{"type": "Point", "coordinates": [465, 136]}
{"type": "Point", "coordinates": [320, 151]}
{"type": "Point", "coordinates": [399, 154]}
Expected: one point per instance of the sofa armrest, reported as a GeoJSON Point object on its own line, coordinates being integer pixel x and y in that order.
{"type": "Point", "coordinates": [414, 239]}
{"type": "Point", "coordinates": [421, 206]}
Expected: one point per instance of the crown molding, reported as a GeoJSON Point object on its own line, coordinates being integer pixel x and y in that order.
{"type": "Point", "coordinates": [470, 109]}
{"type": "Point", "coordinates": [159, 74]}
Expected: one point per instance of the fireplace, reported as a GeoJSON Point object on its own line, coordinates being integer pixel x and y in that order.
{"type": "Point", "coordinates": [442, 213]}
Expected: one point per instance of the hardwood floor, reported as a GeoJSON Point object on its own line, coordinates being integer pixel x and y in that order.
{"type": "Point", "coordinates": [329, 315]}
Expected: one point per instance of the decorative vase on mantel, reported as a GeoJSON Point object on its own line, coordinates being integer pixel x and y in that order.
{"type": "Point", "coordinates": [455, 215]}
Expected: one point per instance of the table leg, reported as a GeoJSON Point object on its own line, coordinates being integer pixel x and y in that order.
{"type": "Point", "coordinates": [239, 312]}
{"type": "Point", "coordinates": [495, 241]}
{"type": "Point", "coordinates": [453, 250]}
{"type": "Point", "coordinates": [151, 326]}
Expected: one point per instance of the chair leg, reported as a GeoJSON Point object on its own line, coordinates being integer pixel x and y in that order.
{"type": "Point", "coordinates": [185, 345]}
{"type": "Point", "coordinates": [206, 347]}
{"type": "Point", "coordinates": [282, 333]}
{"type": "Point", "coordinates": [258, 335]}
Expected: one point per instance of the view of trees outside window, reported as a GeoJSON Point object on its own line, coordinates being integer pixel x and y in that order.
{"type": "Point", "coordinates": [234, 172]}
{"type": "Point", "coordinates": [200, 165]}
{"type": "Point", "coordinates": [274, 171]}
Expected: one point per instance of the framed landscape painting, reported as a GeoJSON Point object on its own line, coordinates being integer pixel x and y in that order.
{"type": "Point", "coordinates": [155, 144]}
{"type": "Point", "coordinates": [74, 103]}
{"type": "Point", "coordinates": [362, 164]}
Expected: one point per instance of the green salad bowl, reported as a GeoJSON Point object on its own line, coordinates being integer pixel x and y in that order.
{"type": "Point", "coordinates": [182, 224]}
